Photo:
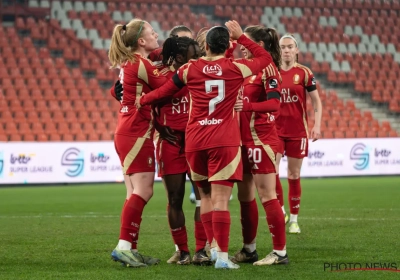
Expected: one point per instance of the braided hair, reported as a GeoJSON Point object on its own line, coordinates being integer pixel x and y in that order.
{"type": "Point", "coordinates": [174, 46]}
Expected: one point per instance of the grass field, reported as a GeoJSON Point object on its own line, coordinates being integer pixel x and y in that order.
{"type": "Point", "coordinates": [69, 232]}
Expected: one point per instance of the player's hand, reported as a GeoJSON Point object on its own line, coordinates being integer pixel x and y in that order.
{"type": "Point", "coordinates": [167, 133]}
{"type": "Point", "coordinates": [315, 133]}
{"type": "Point", "coordinates": [118, 89]}
{"type": "Point", "coordinates": [137, 102]}
{"type": "Point", "coordinates": [239, 104]}
{"type": "Point", "coordinates": [234, 29]}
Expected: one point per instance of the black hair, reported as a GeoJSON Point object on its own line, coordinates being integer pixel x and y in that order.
{"type": "Point", "coordinates": [217, 39]}
{"type": "Point", "coordinates": [270, 38]}
{"type": "Point", "coordinates": [174, 46]}
{"type": "Point", "coordinates": [179, 28]}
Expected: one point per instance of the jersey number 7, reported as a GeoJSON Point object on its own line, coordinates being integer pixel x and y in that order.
{"type": "Point", "coordinates": [220, 84]}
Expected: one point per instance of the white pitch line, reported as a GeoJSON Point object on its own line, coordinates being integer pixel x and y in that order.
{"type": "Point", "coordinates": [164, 216]}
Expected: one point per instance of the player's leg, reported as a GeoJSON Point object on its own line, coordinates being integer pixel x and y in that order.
{"type": "Point", "coordinates": [224, 168]}
{"type": "Point", "coordinates": [197, 162]}
{"type": "Point", "coordinates": [248, 213]}
{"type": "Point", "coordinates": [296, 150]}
{"type": "Point", "coordinates": [279, 189]}
{"type": "Point", "coordinates": [133, 152]}
{"type": "Point", "coordinates": [294, 167]}
{"type": "Point", "coordinates": [192, 195]}
{"type": "Point", "coordinates": [175, 185]}
{"type": "Point", "coordinates": [265, 184]}
{"type": "Point", "coordinates": [201, 256]}
{"type": "Point", "coordinates": [264, 159]}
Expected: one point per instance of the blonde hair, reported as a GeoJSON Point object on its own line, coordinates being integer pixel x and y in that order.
{"type": "Point", "coordinates": [201, 39]}
{"type": "Point", "coordinates": [124, 42]}
{"type": "Point", "coordinates": [291, 36]}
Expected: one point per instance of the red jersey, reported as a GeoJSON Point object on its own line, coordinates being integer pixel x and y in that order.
{"type": "Point", "coordinates": [156, 55]}
{"type": "Point", "coordinates": [292, 120]}
{"type": "Point", "coordinates": [258, 128]}
{"type": "Point", "coordinates": [173, 112]}
{"type": "Point", "coordinates": [138, 77]}
{"type": "Point", "coordinates": [213, 84]}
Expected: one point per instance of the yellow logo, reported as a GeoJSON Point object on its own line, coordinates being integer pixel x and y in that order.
{"type": "Point", "coordinates": [155, 72]}
{"type": "Point", "coordinates": [296, 79]}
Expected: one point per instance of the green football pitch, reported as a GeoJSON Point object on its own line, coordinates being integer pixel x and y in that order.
{"type": "Point", "coordinates": [68, 232]}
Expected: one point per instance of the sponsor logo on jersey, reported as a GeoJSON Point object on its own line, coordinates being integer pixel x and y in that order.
{"type": "Point", "coordinates": [296, 79]}
{"type": "Point", "coordinates": [213, 69]}
{"type": "Point", "coordinates": [212, 121]}
{"type": "Point", "coordinates": [273, 83]}
{"type": "Point", "coordinates": [313, 82]}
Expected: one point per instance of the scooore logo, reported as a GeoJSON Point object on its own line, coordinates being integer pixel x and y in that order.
{"type": "Point", "coordinates": [360, 153]}
{"type": "Point", "coordinates": [100, 157]}
{"type": "Point", "coordinates": [316, 154]}
{"type": "Point", "coordinates": [210, 122]}
{"type": "Point", "coordinates": [73, 158]}
{"type": "Point", "coordinates": [213, 69]}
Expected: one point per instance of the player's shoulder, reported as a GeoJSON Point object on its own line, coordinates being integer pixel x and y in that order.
{"type": "Point", "coordinates": [303, 68]}
{"type": "Point", "coordinates": [270, 71]}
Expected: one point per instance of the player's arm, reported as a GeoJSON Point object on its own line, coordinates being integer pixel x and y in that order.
{"type": "Point", "coordinates": [171, 87]}
{"type": "Point", "coordinates": [261, 58]}
{"type": "Point", "coordinates": [311, 86]}
{"type": "Point", "coordinates": [116, 91]}
{"type": "Point", "coordinates": [150, 74]}
{"type": "Point", "coordinates": [270, 105]}
{"type": "Point", "coordinates": [232, 47]}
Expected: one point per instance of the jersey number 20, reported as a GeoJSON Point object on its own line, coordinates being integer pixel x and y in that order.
{"type": "Point", "coordinates": [220, 84]}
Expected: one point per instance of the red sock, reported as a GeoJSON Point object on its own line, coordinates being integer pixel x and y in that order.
{"type": "Point", "coordinates": [131, 219]}
{"type": "Point", "coordinates": [276, 223]}
{"type": "Point", "coordinates": [294, 195]}
{"type": "Point", "coordinates": [123, 209]}
{"type": "Point", "coordinates": [206, 219]}
{"type": "Point", "coordinates": [221, 221]}
{"type": "Point", "coordinates": [249, 219]}
{"type": "Point", "coordinates": [200, 235]}
{"type": "Point", "coordinates": [279, 190]}
{"type": "Point", "coordinates": [180, 238]}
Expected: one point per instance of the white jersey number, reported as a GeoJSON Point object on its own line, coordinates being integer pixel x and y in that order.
{"type": "Point", "coordinates": [220, 84]}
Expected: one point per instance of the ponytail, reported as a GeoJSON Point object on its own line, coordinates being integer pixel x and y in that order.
{"type": "Point", "coordinates": [124, 42]}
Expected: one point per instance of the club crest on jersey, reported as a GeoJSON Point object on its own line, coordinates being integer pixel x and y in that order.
{"type": "Point", "coordinates": [296, 79]}
{"type": "Point", "coordinates": [213, 69]}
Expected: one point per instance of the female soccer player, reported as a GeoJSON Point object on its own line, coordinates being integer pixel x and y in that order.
{"type": "Point", "coordinates": [292, 126]}
{"type": "Point", "coordinates": [173, 114]}
{"type": "Point", "coordinates": [130, 45]}
{"type": "Point", "coordinates": [261, 94]}
{"type": "Point", "coordinates": [176, 31]}
{"type": "Point", "coordinates": [212, 133]}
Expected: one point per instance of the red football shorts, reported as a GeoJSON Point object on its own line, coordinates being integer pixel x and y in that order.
{"type": "Point", "coordinates": [171, 159]}
{"type": "Point", "coordinates": [216, 164]}
{"type": "Point", "coordinates": [293, 147]}
{"type": "Point", "coordinates": [135, 153]}
{"type": "Point", "coordinates": [258, 159]}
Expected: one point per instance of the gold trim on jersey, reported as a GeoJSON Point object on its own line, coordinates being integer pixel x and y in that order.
{"type": "Point", "coordinates": [305, 121]}
{"type": "Point", "coordinates": [307, 73]}
{"type": "Point", "coordinates": [139, 89]}
{"type": "Point", "coordinates": [195, 176]}
{"type": "Point", "coordinates": [130, 157]}
{"type": "Point", "coordinates": [230, 169]}
{"type": "Point", "coordinates": [185, 73]}
{"type": "Point", "coordinates": [151, 124]}
{"type": "Point", "coordinates": [270, 153]}
{"type": "Point", "coordinates": [212, 58]}
{"type": "Point", "coordinates": [246, 71]}
{"type": "Point", "coordinates": [142, 73]}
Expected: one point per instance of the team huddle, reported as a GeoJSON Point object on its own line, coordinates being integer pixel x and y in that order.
{"type": "Point", "coordinates": [219, 119]}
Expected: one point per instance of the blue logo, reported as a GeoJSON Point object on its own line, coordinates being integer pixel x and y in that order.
{"type": "Point", "coordinates": [1, 164]}
{"type": "Point", "coordinates": [73, 158]}
{"type": "Point", "coordinates": [360, 153]}
{"type": "Point", "coordinates": [100, 158]}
